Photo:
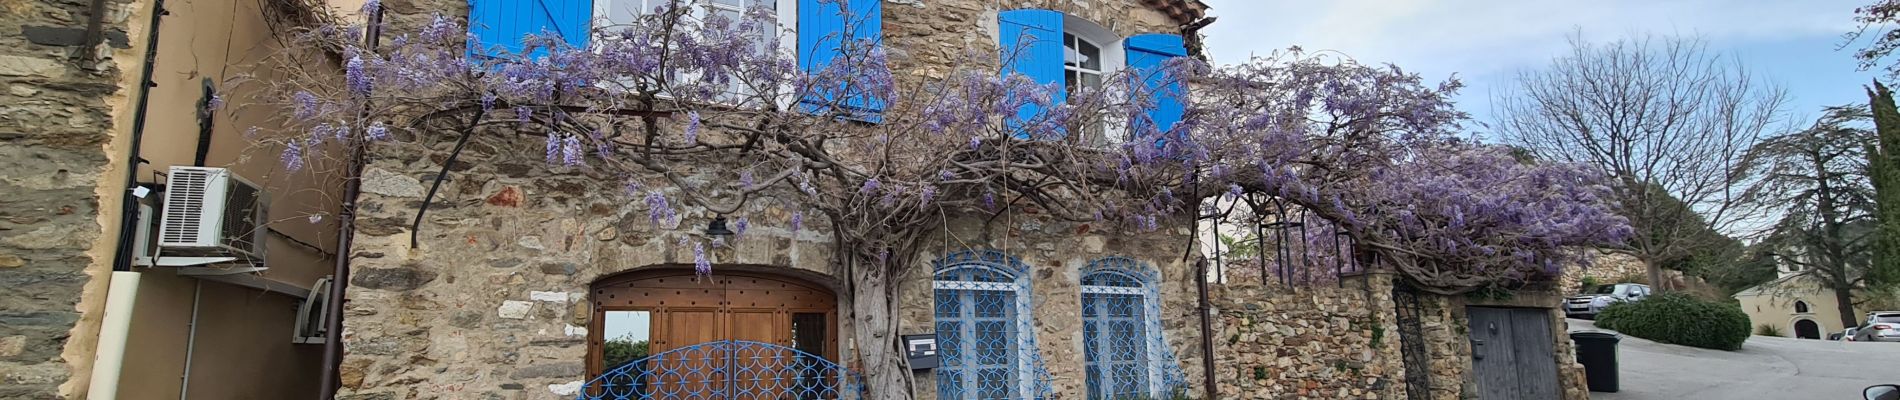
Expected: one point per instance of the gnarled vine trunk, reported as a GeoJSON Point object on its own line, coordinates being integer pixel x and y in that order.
{"type": "Point", "coordinates": [875, 287]}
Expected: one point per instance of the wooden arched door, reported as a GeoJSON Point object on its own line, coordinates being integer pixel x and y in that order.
{"type": "Point", "coordinates": [657, 311]}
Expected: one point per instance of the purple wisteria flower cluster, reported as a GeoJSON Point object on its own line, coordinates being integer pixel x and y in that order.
{"type": "Point", "coordinates": [1371, 150]}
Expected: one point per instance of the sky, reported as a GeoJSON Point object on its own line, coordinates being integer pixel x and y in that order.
{"type": "Point", "coordinates": [1485, 43]}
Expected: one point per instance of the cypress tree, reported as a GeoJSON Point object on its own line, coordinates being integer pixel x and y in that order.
{"type": "Point", "coordinates": [1883, 159]}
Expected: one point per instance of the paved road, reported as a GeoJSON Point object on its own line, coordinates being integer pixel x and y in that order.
{"type": "Point", "coordinates": [1765, 368]}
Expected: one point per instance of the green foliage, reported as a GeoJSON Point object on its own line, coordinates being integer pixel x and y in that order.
{"type": "Point", "coordinates": [1239, 247]}
{"type": "Point", "coordinates": [1678, 318]}
{"type": "Point", "coordinates": [1259, 373]}
{"type": "Point", "coordinates": [1767, 330]}
{"type": "Point", "coordinates": [1589, 282]}
{"type": "Point", "coordinates": [621, 350]}
{"type": "Point", "coordinates": [1883, 168]}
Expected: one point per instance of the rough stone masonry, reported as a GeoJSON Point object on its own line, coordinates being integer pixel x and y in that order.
{"type": "Point", "coordinates": [61, 171]}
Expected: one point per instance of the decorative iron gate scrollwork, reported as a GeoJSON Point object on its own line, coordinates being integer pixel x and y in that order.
{"type": "Point", "coordinates": [726, 370]}
{"type": "Point", "coordinates": [1418, 378]}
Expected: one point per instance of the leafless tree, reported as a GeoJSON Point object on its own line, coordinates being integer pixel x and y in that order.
{"type": "Point", "coordinates": [1665, 117]}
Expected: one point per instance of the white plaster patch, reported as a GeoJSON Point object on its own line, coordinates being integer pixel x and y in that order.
{"type": "Point", "coordinates": [566, 389]}
{"type": "Point", "coordinates": [576, 330]}
{"type": "Point", "coordinates": [1093, 243]}
{"type": "Point", "coordinates": [515, 309]}
{"type": "Point", "coordinates": [548, 296]}
{"type": "Point", "coordinates": [532, 242]}
{"type": "Point", "coordinates": [379, 181]}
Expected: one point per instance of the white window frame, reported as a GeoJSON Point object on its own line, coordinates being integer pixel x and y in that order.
{"type": "Point", "coordinates": [787, 26]}
{"type": "Point", "coordinates": [1024, 371]}
{"type": "Point", "coordinates": [1152, 355]}
{"type": "Point", "coordinates": [1114, 58]}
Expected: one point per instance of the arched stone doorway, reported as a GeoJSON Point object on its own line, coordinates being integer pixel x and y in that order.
{"type": "Point", "coordinates": [1807, 329]}
{"type": "Point", "coordinates": [648, 312]}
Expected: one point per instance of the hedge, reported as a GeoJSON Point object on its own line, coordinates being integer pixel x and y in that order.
{"type": "Point", "coordinates": [1678, 318]}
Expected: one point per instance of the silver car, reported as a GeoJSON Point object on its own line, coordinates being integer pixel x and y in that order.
{"type": "Point", "coordinates": [1881, 326]}
{"type": "Point", "coordinates": [1590, 303]}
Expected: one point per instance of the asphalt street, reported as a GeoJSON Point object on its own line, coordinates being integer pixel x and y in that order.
{"type": "Point", "coordinates": [1765, 368]}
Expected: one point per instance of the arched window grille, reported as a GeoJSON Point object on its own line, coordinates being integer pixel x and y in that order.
{"type": "Point", "coordinates": [1800, 307]}
{"type": "Point", "coordinates": [984, 332]}
{"type": "Point", "coordinates": [1125, 353]}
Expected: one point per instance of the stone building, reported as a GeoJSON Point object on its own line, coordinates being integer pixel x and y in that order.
{"type": "Point", "coordinates": [525, 275]}
{"type": "Point", "coordinates": [531, 281]}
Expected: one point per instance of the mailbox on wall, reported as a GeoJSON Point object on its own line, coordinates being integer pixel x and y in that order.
{"type": "Point", "coordinates": [922, 350]}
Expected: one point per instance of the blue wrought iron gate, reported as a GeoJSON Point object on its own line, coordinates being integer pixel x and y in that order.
{"type": "Point", "coordinates": [726, 370]}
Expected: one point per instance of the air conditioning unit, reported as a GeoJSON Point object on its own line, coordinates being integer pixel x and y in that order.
{"type": "Point", "coordinates": [210, 216]}
{"type": "Point", "coordinates": [313, 315]}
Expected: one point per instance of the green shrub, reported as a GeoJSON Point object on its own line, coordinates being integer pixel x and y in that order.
{"type": "Point", "coordinates": [1767, 330]}
{"type": "Point", "coordinates": [1678, 318]}
{"type": "Point", "coordinates": [1587, 283]}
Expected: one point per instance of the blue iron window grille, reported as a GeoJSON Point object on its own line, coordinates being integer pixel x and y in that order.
{"type": "Point", "coordinates": [987, 347]}
{"type": "Point", "coordinates": [1123, 346]}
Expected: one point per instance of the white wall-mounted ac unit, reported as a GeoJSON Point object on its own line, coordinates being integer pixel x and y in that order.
{"type": "Point", "coordinates": [313, 315]}
{"type": "Point", "coordinates": [210, 216]}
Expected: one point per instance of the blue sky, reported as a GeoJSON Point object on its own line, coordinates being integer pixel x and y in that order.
{"type": "Point", "coordinates": [1790, 42]}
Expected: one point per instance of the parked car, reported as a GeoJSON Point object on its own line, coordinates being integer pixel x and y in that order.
{"type": "Point", "coordinates": [1590, 303]}
{"type": "Point", "coordinates": [1846, 335]}
{"type": "Point", "coordinates": [1881, 326]}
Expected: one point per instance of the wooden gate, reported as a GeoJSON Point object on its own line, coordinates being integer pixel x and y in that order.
{"type": "Point", "coordinates": [1512, 353]}
{"type": "Point", "coordinates": [657, 312]}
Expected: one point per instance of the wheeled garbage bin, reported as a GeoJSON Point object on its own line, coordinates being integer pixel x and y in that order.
{"type": "Point", "coordinates": [1596, 350]}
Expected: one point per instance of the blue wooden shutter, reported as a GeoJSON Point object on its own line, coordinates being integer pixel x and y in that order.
{"type": "Point", "coordinates": [499, 25]}
{"type": "Point", "coordinates": [823, 27]}
{"type": "Point", "coordinates": [1031, 44]}
{"type": "Point", "coordinates": [1147, 54]}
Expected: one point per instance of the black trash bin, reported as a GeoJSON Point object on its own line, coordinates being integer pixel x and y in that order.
{"type": "Point", "coordinates": [1597, 352]}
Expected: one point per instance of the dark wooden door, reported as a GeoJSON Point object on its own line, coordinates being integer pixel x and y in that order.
{"type": "Point", "coordinates": [679, 309]}
{"type": "Point", "coordinates": [1807, 329]}
{"type": "Point", "coordinates": [1512, 353]}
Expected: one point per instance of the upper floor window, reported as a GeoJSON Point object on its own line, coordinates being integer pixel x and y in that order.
{"type": "Point", "coordinates": [811, 31]}
{"type": "Point", "coordinates": [1082, 64]}
{"type": "Point", "coordinates": [1055, 49]}
{"type": "Point", "coordinates": [1800, 307]}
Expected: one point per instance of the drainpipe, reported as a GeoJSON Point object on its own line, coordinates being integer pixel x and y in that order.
{"type": "Point", "coordinates": [346, 228]}
{"type": "Point", "coordinates": [108, 364]}
{"type": "Point", "coordinates": [191, 341]}
{"type": "Point", "coordinates": [1207, 332]}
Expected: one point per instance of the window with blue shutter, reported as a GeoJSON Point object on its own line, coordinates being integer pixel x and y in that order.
{"type": "Point", "coordinates": [824, 28]}
{"type": "Point", "coordinates": [500, 25]}
{"type": "Point", "coordinates": [1147, 55]}
{"type": "Point", "coordinates": [1031, 43]}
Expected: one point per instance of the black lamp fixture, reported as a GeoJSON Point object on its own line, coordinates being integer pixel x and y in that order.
{"type": "Point", "coordinates": [717, 227]}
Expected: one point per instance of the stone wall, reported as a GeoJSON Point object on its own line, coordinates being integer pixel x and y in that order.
{"type": "Point", "coordinates": [492, 302]}
{"type": "Point", "coordinates": [1342, 341]}
{"type": "Point", "coordinates": [62, 171]}
{"type": "Point", "coordinates": [1606, 268]}
{"type": "Point", "coordinates": [1056, 253]}
{"type": "Point", "coordinates": [1318, 342]}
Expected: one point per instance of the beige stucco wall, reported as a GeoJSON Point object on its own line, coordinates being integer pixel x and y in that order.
{"type": "Point", "coordinates": [242, 346]}
{"type": "Point", "coordinates": [1773, 304]}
